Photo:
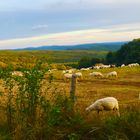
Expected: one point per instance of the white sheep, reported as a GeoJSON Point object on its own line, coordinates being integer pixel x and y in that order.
{"type": "Point", "coordinates": [96, 67]}
{"type": "Point", "coordinates": [133, 65]}
{"type": "Point", "coordinates": [68, 71]}
{"type": "Point", "coordinates": [85, 69]}
{"type": "Point", "coordinates": [105, 66]}
{"type": "Point", "coordinates": [123, 65]}
{"type": "Point", "coordinates": [79, 75]}
{"type": "Point", "coordinates": [108, 104]}
{"type": "Point", "coordinates": [17, 73]}
{"type": "Point", "coordinates": [67, 76]}
{"type": "Point", "coordinates": [97, 74]}
{"type": "Point", "coordinates": [112, 74]}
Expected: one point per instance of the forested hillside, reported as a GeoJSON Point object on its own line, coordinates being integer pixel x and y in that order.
{"type": "Point", "coordinates": [128, 53]}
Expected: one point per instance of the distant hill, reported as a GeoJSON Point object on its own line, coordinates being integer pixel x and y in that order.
{"type": "Point", "coordinates": [111, 46]}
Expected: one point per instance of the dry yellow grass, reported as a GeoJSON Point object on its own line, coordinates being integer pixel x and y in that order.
{"type": "Point", "coordinates": [125, 88]}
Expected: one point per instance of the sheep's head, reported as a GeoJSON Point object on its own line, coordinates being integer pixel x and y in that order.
{"type": "Point", "coordinates": [90, 108]}
{"type": "Point", "coordinates": [87, 110]}
{"type": "Point", "coordinates": [102, 76]}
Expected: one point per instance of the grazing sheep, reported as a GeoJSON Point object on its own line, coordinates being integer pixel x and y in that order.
{"type": "Point", "coordinates": [108, 103]}
{"type": "Point", "coordinates": [133, 65]}
{"type": "Point", "coordinates": [105, 66]}
{"type": "Point", "coordinates": [85, 69]}
{"type": "Point", "coordinates": [112, 66]}
{"type": "Point", "coordinates": [123, 65]}
{"type": "Point", "coordinates": [96, 67]}
{"type": "Point", "coordinates": [79, 75]}
{"type": "Point", "coordinates": [112, 74]}
{"type": "Point", "coordinates": [63, 71]}
{"type": "Point", "coordinates": [17, 73]}
{"type": "Point", "coordinates": [67, 76]}
{"type": "Point", "coordinates": [68, 71]}
{"type": "Point", "coordinates": [96, 74]}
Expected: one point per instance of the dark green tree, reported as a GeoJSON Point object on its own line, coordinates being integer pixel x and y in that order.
{"type": "Point", "coordinates": [95, 61]}
{"type": "Point", "coordinates": [128, 53]}
{"type": "Point", "coordinates": [84, 62]}
{"type": "Point", "coordinates": [111, 58]}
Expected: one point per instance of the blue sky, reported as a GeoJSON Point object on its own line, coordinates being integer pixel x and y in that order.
{"type": "Point", "coordinates": [29, 23]}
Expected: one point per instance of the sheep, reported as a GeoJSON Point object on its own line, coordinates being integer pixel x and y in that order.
{"type": "Point", "coordinates": [79, 75]}
{"type": "Point", "coordinates": [96, 74]}
{"type": "Point", "coordinates": [112, 74]}
{"type": "Point", "coordinates": [112, 66]}
{"type": "Point", "coordinates": [108, 103]}
{"type": "Point", "coordinates": [105, 66]}
{"type": "Point", "coordinates": [17, 73]}
{"type": "Point", "coordinates": [96, 67]}
{"type": "Point", "coordinates": [133, 65]}
{"type": "Point", "coordinates": [85, 69]}
{"type": "Point", "coordinates": [63, 71]}
{"type": "Point", "coordinates": [67, 76]}
{"type": "Point", "coordinates": [123, 65]}
{"type": "Point", "coordinates": [68, 71]}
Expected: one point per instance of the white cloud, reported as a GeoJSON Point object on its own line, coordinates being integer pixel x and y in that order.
{"type": "Point", "coordinates": [114, 33]}
{"type": "Point", "coordinates": [39, 27]}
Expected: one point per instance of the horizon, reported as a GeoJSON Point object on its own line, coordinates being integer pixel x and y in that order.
{"type": "Point", "coordinates": [35, 47]}
{"type": "Point", "coordinates": [59, 22]}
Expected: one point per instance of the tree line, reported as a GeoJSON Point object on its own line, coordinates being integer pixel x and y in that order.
{"type": "Point", "coordinates": [128, 53]}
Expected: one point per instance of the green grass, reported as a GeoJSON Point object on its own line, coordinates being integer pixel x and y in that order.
{"type": "Point", "coordinates": [41, 108]}
{"type": "Point", "coordinates": [49, 56]}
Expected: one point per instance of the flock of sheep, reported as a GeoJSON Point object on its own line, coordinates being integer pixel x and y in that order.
{"type": "Point", "coordinates": [67, 76]}
{"type": "Point", "coordinates": [108, 103]}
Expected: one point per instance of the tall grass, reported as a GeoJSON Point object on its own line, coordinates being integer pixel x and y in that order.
{"type": "Point", "coordinates": [29, 113]}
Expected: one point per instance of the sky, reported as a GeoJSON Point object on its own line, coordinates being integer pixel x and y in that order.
{"type": "Point", "coordinates": [32, 23]}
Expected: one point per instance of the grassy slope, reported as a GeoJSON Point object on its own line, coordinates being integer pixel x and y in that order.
{"type": "Point", "coordinates": [49, 56]}
{"type": "Point", "coordinates": [125, 88]}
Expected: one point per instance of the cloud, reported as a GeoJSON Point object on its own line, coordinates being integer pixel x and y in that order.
{"type": "Point", "coordinates": [16, 5]}
{"type": "Point", "coordinates": [40, 27]}
{"type": "Point", "coordinates": [114, 33]}
{"type": "Point", "coordinates": [40, 17]}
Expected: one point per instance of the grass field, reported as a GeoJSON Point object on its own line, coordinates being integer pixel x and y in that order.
{"type": "Point", "coordinates": [126, 88]}
{"type": "Point", "coordinates": [49, 56]}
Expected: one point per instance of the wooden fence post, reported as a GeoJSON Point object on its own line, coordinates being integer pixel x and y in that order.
{"type": "Point", "coordinates": [73, 87]}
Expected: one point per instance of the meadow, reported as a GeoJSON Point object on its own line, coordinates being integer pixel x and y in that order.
{"type": "Point", "coordinates": [18, 57]}
{"type": "Point", "coordinates": [37, 106]}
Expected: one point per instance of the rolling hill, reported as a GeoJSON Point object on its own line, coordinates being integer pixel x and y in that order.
{"type": "Point", "coordinates": [110, 46]}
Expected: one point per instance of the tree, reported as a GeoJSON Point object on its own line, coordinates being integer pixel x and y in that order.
{"type": "Point", "coordinates": [128, 53]}
{"type": "Point", "coordinates": [84, 62]}
{"type": "Point", "coordinates": [88, 62]}
{"type": "Point", "coordinates": [95, 61]}
{"type": "Point", "coordinates": [110, 58]}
